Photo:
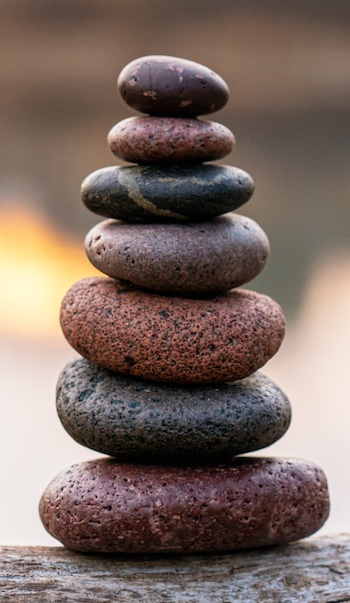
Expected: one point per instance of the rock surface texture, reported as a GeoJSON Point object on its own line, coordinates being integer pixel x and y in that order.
{"type": "Point", "coordinates": [205, 257]}
{"type": "Point", "coordinates": [137, 419]}
{"type": "Point", "coordinates": [157, 139]}
{"type": "Point", "coordinates": [171, 339]}
{"type": "Point", "coordinates": [111, 507]}
{"type": "Point", "coordinates": [166, 193]}
{"type": "Point", "coordinates": [168, 383]}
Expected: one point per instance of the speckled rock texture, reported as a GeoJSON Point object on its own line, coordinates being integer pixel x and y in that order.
{"type": "Point", "coordinates": [191, 258]}
{"type": "Point", "coordinates": [164, 85]}
{"type": "Point", "coordinates": [166, 192]}
{"type": "Point", "coordinates": [156, 139]}
{"type": "Point", "coordinates": [171, 339]}
{"type": "Point", "coordinates": [105, 506]}
{"type": "Point", "coordinates": [130, 418]}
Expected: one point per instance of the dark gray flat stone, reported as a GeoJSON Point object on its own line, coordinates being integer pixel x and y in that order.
{"type": "Point", "coordinates": [125, 417]}
{"type": "Point", "coordinates": [166, 193]}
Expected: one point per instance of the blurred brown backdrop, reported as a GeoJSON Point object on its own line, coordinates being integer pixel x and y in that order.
{"type": "Point", "coordinates": [288, 68]}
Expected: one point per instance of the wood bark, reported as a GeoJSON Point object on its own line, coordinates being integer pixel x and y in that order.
{"type": "Point", "coordinates": [316, 570]}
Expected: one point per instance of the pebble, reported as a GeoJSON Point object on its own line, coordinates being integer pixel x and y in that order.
{"type": "Point", "coordinates": [104, 506]}
{"type": "Point", "coordinates": [136, 419]}
{"type": "Point", "coordinates": [164, 85]}
{"type": "Point", "coordinates": [156, 139]}
{"type": "Point", "coordinates": [171, 339]}
{"type": "Point", "coordinates": [178, 258]}
{"type": "Point", "coordinates": [166, 192]}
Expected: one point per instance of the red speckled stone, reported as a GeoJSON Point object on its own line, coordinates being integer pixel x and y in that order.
{"type": "Point", "coordinates": [180, 258]}
{"type": "Point", "coordinates": [105, 506]}
{"type": "Point", "coordinates": [173, 339]}
{"type": "Point", "coordinates": [163, 85]}
{"type": "Point", "coordinates": [155, 139]}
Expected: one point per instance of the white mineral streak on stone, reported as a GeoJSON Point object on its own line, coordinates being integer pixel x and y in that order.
{"type": "Point", "coordinates": [135, 195]}
{"type": "Point", "coordinates": [195, 179]}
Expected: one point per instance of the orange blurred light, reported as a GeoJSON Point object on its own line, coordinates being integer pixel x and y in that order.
{"type": "Point", "coordinates": [38, 266]}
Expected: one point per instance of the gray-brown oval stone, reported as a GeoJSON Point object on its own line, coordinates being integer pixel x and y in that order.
{"type": "Point", "coordinates": [171, 339]}
{"type": "Point", "coordinates": [136, 419]}
{"type": "Point", "coordinates": [157, 139]}
{"type": "Point", "coordinates": [105, 506]}
{"type": "Point", "coordinates": [178, 258]}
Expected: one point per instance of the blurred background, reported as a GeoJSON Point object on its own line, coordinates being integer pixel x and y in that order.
{"type": "Point", "coordinates": [287, 65]}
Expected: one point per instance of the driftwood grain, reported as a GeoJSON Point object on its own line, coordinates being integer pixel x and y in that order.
{"type": "Point", "coordinates": [316, 570]}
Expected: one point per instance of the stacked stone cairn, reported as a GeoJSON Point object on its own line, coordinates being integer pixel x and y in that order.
{"type": "Point", "coordinates": [167, 384]}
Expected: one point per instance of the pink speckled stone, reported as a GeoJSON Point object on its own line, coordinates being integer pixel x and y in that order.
{"type": "Point", "coordinates": [104, 506]}
{"type": "Point", "coordinates": [171, 339]}
{"type": "Point", "coordinates": [153, 139]}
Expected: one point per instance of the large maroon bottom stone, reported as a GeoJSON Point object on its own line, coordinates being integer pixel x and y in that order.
{"type": "Point", "coordinates": [107, 506]}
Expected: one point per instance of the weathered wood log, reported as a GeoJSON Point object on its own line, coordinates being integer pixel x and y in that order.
{"type": "Point", "coordinates": [316, 570]}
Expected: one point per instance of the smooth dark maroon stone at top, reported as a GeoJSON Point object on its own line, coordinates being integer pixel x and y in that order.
{"type": "Point", "coordinates": [105, 506]}
{"type": "Point", "coordinates": [164, 85]}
